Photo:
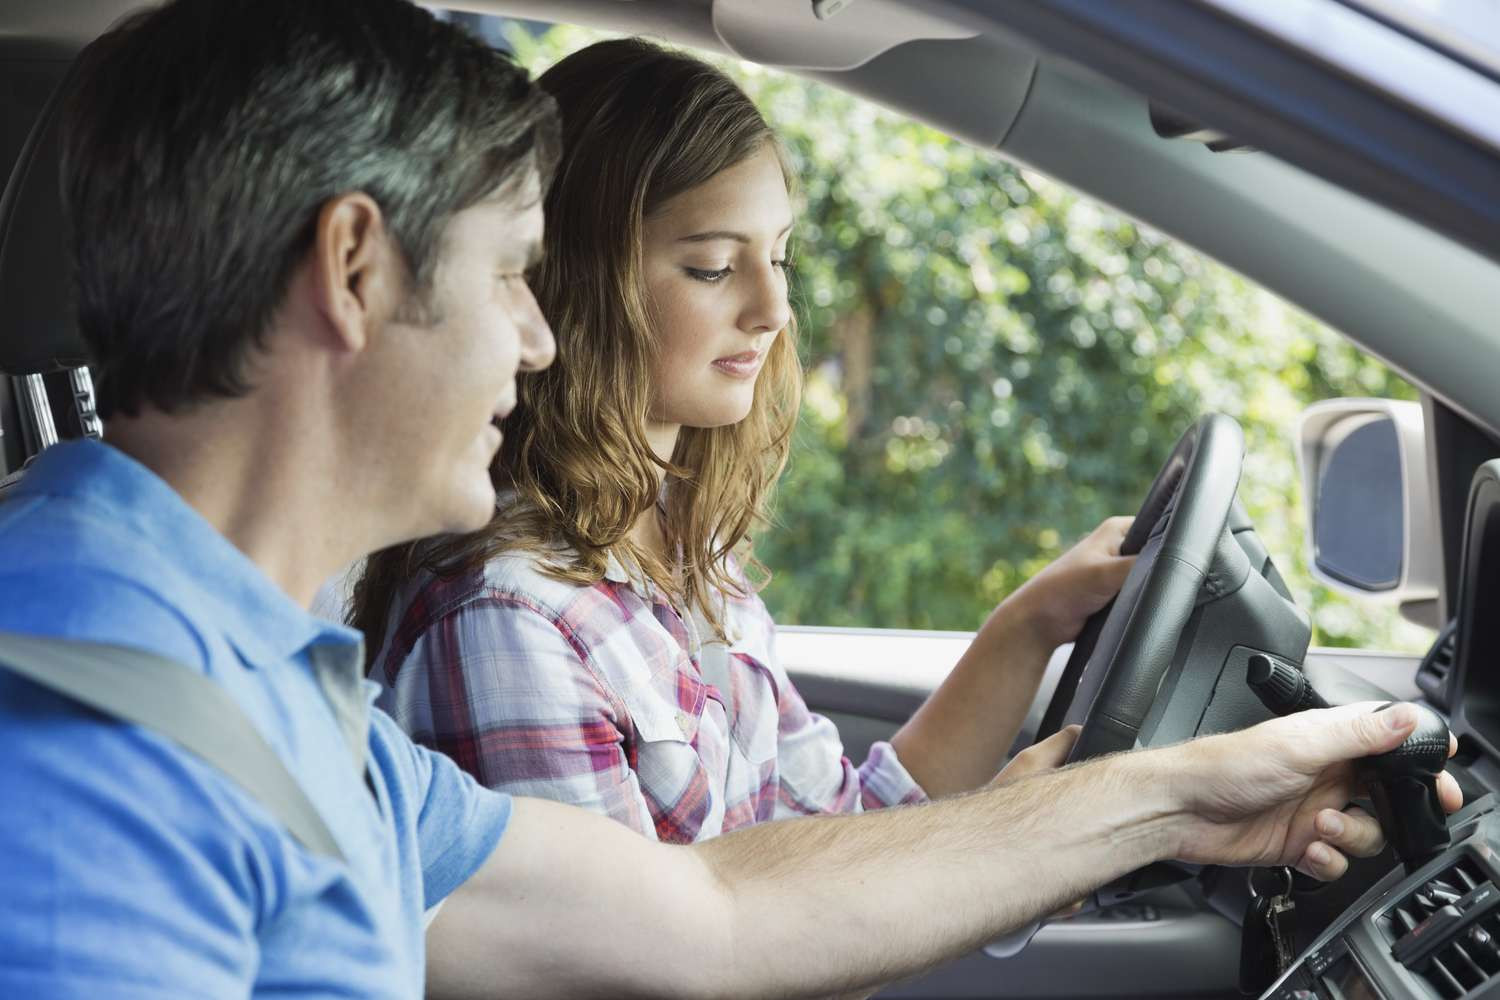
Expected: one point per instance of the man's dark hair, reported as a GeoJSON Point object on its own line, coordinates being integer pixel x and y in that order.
{"type": "Point", "coordinates": [201, 139]}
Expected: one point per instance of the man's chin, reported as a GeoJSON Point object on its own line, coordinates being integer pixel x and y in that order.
{"type": "Point", "coordinates": [468, 511]}
{"type": "Point", "coordinates": [477, 512]}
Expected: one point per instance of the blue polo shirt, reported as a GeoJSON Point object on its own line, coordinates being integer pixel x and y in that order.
{"type": "Point", "coordinates": [128, 867]}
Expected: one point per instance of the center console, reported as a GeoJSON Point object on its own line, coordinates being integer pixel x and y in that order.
{"type": "Point", "coordinates": [1433, 933]}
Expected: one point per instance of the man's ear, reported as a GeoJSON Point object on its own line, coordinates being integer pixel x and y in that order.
{"type": "Point", "coordinates": [356, 272]}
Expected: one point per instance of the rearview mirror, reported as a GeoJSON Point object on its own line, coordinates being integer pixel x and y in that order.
{"type": "Point", "coordinates": [1369, 519]}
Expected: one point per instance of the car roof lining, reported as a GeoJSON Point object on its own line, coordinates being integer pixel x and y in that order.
{"type": "Point", "coordinates": [1381, 279]}
{"type": "Point", "coordinates": [791, 34]}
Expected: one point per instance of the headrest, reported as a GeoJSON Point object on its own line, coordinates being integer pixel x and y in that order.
{"type": "Point", "coordinates": [38, 325]}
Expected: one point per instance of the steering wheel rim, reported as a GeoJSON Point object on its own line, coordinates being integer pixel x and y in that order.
{"type": "Point", "coordinates": [1184, 512]}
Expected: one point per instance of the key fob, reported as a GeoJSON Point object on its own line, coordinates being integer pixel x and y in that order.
{"type": "Point", "coordinates": [1266, 934]}
{"type": "Point", "coordinates": [1257, 948]}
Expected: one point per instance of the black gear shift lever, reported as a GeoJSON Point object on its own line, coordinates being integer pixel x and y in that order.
{"type": "Point", "coordinates": [1402, 782]}
{"type": "Point", "coordinates": [1403, 785]}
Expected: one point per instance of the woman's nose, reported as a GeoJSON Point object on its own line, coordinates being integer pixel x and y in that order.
{"type": "Point", "coordinates": [768, 309]}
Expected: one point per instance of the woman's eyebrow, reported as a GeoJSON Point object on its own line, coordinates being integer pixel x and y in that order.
{"type": "Point", "coordinates": [726, 234]}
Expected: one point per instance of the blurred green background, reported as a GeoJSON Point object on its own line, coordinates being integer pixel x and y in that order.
{"type": "Point", "coordinates": [996, 364]}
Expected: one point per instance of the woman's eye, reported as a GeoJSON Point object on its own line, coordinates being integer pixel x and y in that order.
{"type": "Point", "coordinates": [786, 265]}
{"type": "Point", "coordinates": [705, 275]}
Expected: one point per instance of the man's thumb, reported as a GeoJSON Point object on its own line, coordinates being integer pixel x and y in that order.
{"type": "Point", "coordinates": [1372, 732]}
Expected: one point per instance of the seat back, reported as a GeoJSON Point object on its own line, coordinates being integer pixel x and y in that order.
{"type": "Point", "coordinates": [47, 393]}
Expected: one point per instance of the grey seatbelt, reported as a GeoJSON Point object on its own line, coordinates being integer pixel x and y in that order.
{"type": "Point", "coordinates": [180, 704]}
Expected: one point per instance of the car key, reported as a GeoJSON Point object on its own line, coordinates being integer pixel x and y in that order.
{"type": "Point", "coordinates": [1279, 915]}
{"type": "Point", "coordinates": [1268, 934]}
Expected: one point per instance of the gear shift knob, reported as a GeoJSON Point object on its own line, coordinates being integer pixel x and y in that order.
{"type": "Point", "coordinates": [1403, 786]}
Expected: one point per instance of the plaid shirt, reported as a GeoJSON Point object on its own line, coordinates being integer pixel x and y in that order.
{"type": "Point", "coordinates": [605, 697]}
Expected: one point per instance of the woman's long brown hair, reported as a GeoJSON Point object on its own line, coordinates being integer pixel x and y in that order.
{"type": "Point", "coordinates": [641, 125]}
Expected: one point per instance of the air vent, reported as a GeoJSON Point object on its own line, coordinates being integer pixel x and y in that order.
{"type": "Point", "coordinates": [1432, 675]}
{"type": "Point", "coordinates": [1447, 932]}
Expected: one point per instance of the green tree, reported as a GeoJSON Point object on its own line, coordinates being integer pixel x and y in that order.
{"type": "Point", "coordinates": [996, 363]}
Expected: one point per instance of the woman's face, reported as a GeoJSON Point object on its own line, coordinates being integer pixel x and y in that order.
{"type": "Point", "coordinates": [715, 272]}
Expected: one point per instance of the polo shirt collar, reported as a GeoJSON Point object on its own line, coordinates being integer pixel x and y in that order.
{"type": "Point", "coordinates": [257, 617]}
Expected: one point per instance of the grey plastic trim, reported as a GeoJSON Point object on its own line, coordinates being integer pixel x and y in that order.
{"type": "Point", "coordinates": [1182, 952]}
{"type": "Point", "coordinates": [791, 33]}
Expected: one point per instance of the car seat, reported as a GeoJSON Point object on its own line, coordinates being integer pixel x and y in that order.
{"type": "Point", "coordinates": [46, 392]}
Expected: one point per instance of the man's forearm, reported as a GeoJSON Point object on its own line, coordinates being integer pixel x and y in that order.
{"type": "Point", "coordinates": [907, 887]}
{"type": "Point", "coordinates": [573, 904]}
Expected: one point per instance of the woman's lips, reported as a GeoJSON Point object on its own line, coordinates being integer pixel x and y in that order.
{"type": "Point", "coordinates": [742, 365]}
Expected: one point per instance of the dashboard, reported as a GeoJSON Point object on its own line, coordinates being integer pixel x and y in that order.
{"type": "Point", "coordinates": [1435, 932]}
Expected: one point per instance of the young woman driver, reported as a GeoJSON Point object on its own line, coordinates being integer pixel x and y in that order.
{"type": "Point", "coordinates": [600, 643]}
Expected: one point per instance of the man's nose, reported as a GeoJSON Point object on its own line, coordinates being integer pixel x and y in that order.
{"type": "Point", "coordinates": [538, 346]}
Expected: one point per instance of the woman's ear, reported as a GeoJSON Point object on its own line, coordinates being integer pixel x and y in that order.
{"type": "Point", "coordinates": [357, 274]}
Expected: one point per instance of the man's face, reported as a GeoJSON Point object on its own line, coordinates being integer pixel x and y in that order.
{"type": "Point", "coordinates": [448, 383]}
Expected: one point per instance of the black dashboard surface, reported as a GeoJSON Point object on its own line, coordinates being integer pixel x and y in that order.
{"type": "Point", "coordinates": [1432, 934]}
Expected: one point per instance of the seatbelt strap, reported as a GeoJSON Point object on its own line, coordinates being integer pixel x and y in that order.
{"type": "Point", "coordinates": [180, 704]}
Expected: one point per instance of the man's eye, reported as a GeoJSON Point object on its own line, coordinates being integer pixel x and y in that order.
{"type": "Point", "coordinates": [707, 276]}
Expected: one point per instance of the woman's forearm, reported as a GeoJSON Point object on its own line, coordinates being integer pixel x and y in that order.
{"type": "Point", "coordinates": [960, 736]}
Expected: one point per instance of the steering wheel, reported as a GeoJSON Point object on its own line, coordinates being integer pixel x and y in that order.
{"type": "Point", "coordinates": [1123, 652]}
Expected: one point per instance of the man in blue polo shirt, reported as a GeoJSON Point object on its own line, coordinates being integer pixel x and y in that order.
{"type": "Point", "coordinates": [300, 229]}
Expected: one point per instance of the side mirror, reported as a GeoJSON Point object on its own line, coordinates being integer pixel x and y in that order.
{"type": "Point", "coordinates": [1370, 527]}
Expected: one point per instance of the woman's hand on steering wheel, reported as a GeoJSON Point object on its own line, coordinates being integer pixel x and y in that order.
{"type": "Point", "coordinates": [1041, 757]}
{"type": "Point", "coordinates": [1061, 598]}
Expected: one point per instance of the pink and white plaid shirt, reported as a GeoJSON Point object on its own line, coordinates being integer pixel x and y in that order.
{"type": "Point", "coordinates": [605, 697]}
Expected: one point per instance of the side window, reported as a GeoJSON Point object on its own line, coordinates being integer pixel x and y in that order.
{"type": "Point", "coordinates": [996, 363]}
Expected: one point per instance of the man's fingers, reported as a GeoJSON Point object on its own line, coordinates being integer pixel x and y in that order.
{"type": "Point", "coordinates": [1354, 832]}
{"type": "Point", "coordinates": [1322, 862]}
{"type": "Point", "coordinates": [1449, 794]}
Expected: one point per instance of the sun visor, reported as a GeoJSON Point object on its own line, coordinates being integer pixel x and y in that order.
{"type": "Point", "coordinates": [827, 34]}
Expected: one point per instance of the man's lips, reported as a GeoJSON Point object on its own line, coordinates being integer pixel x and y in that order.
{"type": "Point", "coordinates": [742, 365]}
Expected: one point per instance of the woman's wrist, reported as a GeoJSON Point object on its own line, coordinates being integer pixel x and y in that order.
{"type": "Point", "coordinates": [1019, 631]}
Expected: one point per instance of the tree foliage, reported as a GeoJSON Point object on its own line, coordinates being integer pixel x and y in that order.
{"type": "Point", "coordinates": [996, 363]}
